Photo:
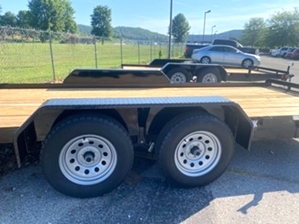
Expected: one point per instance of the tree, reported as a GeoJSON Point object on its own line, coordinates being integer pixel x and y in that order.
{"type": "Point", "coordinates": [180, 28]}
{"type": "Point", "coordinates": [23, 19]}
{"type": "Point", "coordinates": [8, 19]}
{"type": "Point", "coordinates": [101, 22]}
{"type": "Point", "coordinates": [54, 15]}
{"type": "Point", "coordinates": [283, 29]}
{"type": "Point", "coordinates": [254, 32]}
{"type": "Point", "coordinates": [69, 25]}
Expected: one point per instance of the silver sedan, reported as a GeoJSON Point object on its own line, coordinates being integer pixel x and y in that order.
{"type": "Point", "coordinates": [225, 55]}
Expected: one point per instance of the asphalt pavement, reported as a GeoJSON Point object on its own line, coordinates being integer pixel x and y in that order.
{"type": "Point", "coordinates": [282, 64]}
{"type": "Point", "coordinates": [260, 186]}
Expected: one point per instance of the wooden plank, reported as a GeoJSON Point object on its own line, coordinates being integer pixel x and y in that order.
{"type": "Point", "coordinates": [16, 105]}
{"type": "Point", "coordinates": [141, 68]}
{"type": "Point", "coordinates": [243, 71]}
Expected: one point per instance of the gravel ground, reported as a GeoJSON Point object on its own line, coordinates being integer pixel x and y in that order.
{"type": "Point", "coordinates": [8, 160]}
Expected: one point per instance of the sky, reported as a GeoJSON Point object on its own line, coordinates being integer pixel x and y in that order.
{"type": "Point", "coordinates": [154, 15]}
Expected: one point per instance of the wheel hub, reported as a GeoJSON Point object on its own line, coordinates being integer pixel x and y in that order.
{"type": "Point", "coordinates": [178, 78]}
{"type": "Point", "coordinates": [89, 156]}
{"type": "Point", "coordinates": [87, 159]}
{"type": "Point", "coordinates": [197, 153]}
{"type": "Point", "coordinates": [195, 150]}
{"type": "Point", "coordinates": [210, 78]}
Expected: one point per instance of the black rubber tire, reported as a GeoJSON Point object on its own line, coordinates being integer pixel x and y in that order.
{"type": "Point", "coordinates": [182, 71]}
{"type": "Point", "coordinates": [202, 75]}
{"type": "Point", "coordinates": [175, 131]}
{"type": "Point", "coordinates": [205, 57]}
{"type": "Point", "coordinates": [243, 63]}
{"type": "Point", "coordinates": [70, 128]}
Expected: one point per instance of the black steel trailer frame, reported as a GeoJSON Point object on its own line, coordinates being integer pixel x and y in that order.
{"type": "Point", "coordinates": [228, 73]}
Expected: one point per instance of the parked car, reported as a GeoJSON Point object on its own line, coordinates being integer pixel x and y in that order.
{"type": "Point", "coordinates": [190, 47]}
{"type": "Point", "coordinates": [295, 54]}
{"type": "Point", "coordinates": [236, 44]}
{"type": "Point", "coordinates": [279, 52]}
{"type": "Point", "coordinates": [289, 53]}
{"type": "Point", "coordinates": [284, 52]}
{"type": "Point", "coordinates": [233, 43]}
{"type": "Point", "coordinates": [225, 55]}
{"type": "Point", "coordinates": [275, 52]}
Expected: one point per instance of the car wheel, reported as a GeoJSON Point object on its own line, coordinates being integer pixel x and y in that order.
{"type": "Point", "coordinates": [209, 75]}
{"type": "Point", "coordinates": [178, 75]}
{"type": "Point", "coordinates": [247, 63]}
{"type": "Point", "coordinates": [194, 149]}
{"type": "Point", "coordinates": [205, 60]}
{"type": "Point", "coordinates": [87, 156]}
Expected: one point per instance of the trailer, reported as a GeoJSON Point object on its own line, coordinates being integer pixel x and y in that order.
{"type": "Point", "coordinates": [93, 123]}
{"type": "Point", "coordinates": [182, 70]}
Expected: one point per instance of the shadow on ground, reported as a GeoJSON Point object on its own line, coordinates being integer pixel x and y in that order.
{"type": "Point", "coordinates": [270, 167]}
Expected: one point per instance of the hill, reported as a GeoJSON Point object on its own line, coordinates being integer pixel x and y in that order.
{"type": "Point", "coordinates": [84, 29]}
{"type": "Point", "coordinates": [130, 33]}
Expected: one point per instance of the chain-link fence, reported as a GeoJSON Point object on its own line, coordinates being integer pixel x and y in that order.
{"type": "Point", "coordinates": [30, 56]}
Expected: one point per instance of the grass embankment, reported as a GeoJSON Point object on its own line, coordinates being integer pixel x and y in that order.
{"type": "Point", "coordinates": [32, 63]}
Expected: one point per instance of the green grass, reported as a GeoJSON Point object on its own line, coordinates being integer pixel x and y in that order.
{"type": "Point", "coordinates": [32, 63]}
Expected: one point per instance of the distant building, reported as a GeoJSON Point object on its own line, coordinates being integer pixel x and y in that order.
{"type": "Point", "coordinates": [232, 34]}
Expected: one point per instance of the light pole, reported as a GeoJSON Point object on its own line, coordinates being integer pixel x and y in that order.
{"type": "Point", "coordinates": [215, 34]}
{"type": "Point", "coordinates": [204, 25]}
{"type": "Point", "coordinates": [170, 30]}
{"type": "Point", "coordinates": [212, 32]}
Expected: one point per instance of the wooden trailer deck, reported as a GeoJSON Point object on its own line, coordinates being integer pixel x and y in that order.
{"type": "Point", "coordinates": [228, 70]}
{"type": "Point", "coordinates": [16, 105]}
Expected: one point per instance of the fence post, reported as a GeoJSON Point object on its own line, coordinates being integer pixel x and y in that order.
{"type": "Point", "coordinates": [121, 50]}
{"type": "Point", "coordinates": [151, 50]}
{"type": "Point", "coordinates": [138, 53]}
{"type": "Point", "coordinates": [52, 56]}
{"type": "Point", "coordinates": [95, 51]}
{"type": "Point", "coordinates": [172, 49]}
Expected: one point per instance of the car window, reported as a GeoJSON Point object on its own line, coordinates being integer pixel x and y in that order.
{"type": "Point", "coordinates": [229, 49]}
{"type": "Point", "coordinates": [217, 49]}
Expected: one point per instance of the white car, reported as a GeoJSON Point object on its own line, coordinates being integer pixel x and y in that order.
{"type": "Point", "coordinates": [225, 55]}
{"type": "Point", "coordinates": [275, 52]}
{"type": "Point", "coordinates": [279, 52]}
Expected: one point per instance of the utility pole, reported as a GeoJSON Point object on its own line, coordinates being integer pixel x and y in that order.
{"type": "Point", "coordinates": [204, 25]}
{"type": "Point", "coordinates": [170, 30]}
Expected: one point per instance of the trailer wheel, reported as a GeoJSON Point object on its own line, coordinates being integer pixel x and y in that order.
{"type": "Point", "coordinates": [209, 75]}
{"type": "Point", "coordinates": [86, 156]}
{"type": "Point", "coordinates": [178, 75]}
{"type": "Point", "coordinates": [194, 150]}
{"type": "Point", "coordinates": [247, 63]}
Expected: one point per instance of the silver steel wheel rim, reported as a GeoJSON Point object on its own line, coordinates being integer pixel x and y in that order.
{"type": "Point", "coordinates": [87, 159]}
{"type": "Point", "coordinates": [178, 77]}
{"type": "Point", "coordinates": [205, 60]}
{"type": "Point", "coordinates": [197, 153]}
{"type": "Point", "coordinates": [247, 63]}
{"type": "Point", "coordinates": [210, 78]}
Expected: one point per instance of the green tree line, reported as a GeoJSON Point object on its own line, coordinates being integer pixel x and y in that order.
{"type": "Point", "coordinates": [281, 29]}
{"type": "Point", "coordinates": [58, 16]}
